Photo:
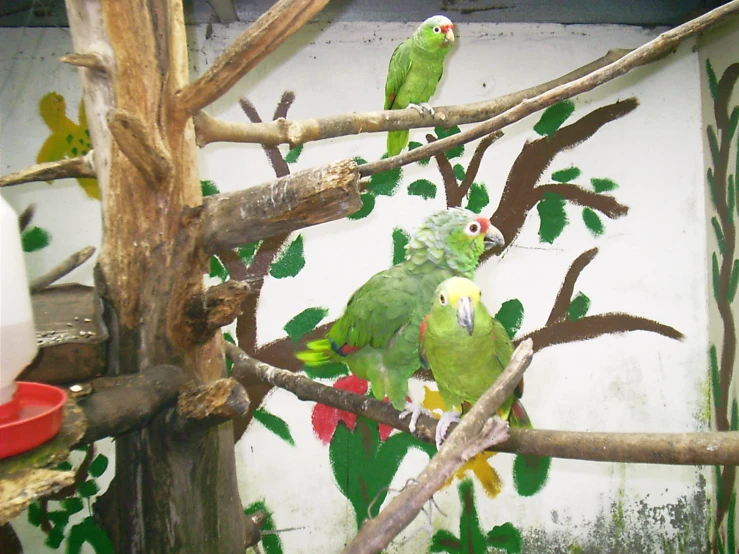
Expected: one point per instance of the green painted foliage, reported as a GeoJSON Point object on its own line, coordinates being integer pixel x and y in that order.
{"type": "Point", "coordinates": [359, 160]}
{"type": "Point", "coordinates": [72, 505]}
{"type": "Point", "coordinates": [423, 188]}
{"type": "Point", "coordinates": [35, 238]}
{"type": "Point", "coordinates": [304, 323]}
{"type": "Point", "coordinates": [87, 488]}
{"type": "Point", "coordinates": [441, 133]}
{"type": "Point", "coordinates": [412, 145]}
{"type": "Point", "coordinates": [715, 381]}
{"type": "Point", "coordinates": [603, 185]}
{"type": "Point", "coordinates": [553, 118]}
{"type": "Point", "coordinates": [713, 146]}
{"type": "Point", "coordinates": [477, 198]}
{"type": "Point", "coordinates": [733, 121]}
{"type": "Point", "coordinates": [293, 154]}
{"type": "Point", "coordinates": [712, 81]}
{"type": "Point", "coordinates": [712, 188]}
{"type": "Point", "coordinates": [530, 473]}
{"type": "Point", "coordinates": [731, 196]}
{"type": "Point", "coordinates": [368, 204]}
{"type": "Point", "coordinates": [471, 538]}
{"type": "Point", "coordinates": [385, 183]}
{"type": "Point", "coordinates": [400, 241]}
{"type": "Point", "coordinates": [217, 269]}
{"type": "Point", "coordinates": [566, 175]}
{"type": "Point", "coordinates": [733, 281]}
{"type": "Point", "coordinates": [246, 253]}
{"type": "Point", "coordinates": [593, 222]}
{"type": "Point", "coordinates": [552, 217]}
{"type": "Point", "coordinates": [510, 316]}
{"type": "Point", "coordinates": [719, 236]}
{"type": "Point", "coordinates": [506, 537]}
{"type": "Point", "coordinates": [87, 532]}
{"type": "Point", "coordinates": [208, 188]}
{"type": "Point", "coordinates": [578, 307]}
{"type": "Point", "coordinates": [275, 424]}
{"type": "Point", "coordinates": [98, 465]}
{"type": "Point", "coordinates": [716, 278]}
{"type": "Point", "coordinates": [289, 261]}
{"type": "Point", "coordinates": [734, 421]}
{"type": "Point", "coordinates": [459, 172]}
{"type": "Point", "coordinates": [271, 542]}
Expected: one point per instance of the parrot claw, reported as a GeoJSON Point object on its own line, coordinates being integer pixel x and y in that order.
{"type": "Point", "coordinates": [414, 410]}
{"type": "Point", "coordinates": [447, 418]}
{"type": "Point", "coordinates": [496, 430]}
{"type": "Point", "coordinates": [422, 107]}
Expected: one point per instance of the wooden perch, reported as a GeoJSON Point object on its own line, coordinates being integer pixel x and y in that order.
{"type": "Point", "coordinates": [464, 442]}
{"type": "Point", "coordinates": [292, 202]}
{"type": "Point", "coordinates": [143, 150]}
{"type": "Point", "coordinates": [217, 307]}
{"type": "Point", "coordinates": [649, 52]}
{"type": "Point", "coordinates": [81, 166]}
{"type": "Point", "coordinates": [64, 268]}
{"type": "Point", "coordinates": [664, 448]}
{"type": "Point", "coordinates": [201, 407]}
{"type": "Point", "coordinates": [262, 37]}
{"type": "Point", "coordinates": [281, 131]}
{"type": "Point", "coordinates": [17, 494]}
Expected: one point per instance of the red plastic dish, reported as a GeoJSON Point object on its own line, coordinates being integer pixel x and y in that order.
{"type": "Point", "coordinates": [39, 417]}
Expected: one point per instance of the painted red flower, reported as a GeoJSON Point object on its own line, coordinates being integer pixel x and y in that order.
{"type": "Point", "coordinates": [325, 418]}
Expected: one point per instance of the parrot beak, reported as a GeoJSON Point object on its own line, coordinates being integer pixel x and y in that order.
{"type": "Point", "coordinates": [449, 35]}
{"type": "Point", "coordinates": [493, 238]}
{"type": "Point", "coordinates": [465, 315]}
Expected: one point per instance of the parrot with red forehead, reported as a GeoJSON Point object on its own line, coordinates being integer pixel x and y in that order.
{"type": "Point", "coordinates": [414, 71]}
{"type": "Point", "coordinates": [377, 336]}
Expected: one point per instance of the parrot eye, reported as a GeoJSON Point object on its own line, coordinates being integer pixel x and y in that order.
{"type": "Point", "coordinates": [472, 229]}
{"type": "Point", "coordinates": [437, 29]}
{"type": "Point", "coordinates": [442, 299]}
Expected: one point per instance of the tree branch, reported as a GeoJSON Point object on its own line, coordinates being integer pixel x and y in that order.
{"type": "Point", "coordinates": [293, 133]}
{"type": "Point", "coordinates": [474, 165]}
{"type": "Point", "coordinates": [463, 443]}
{"type": "Point", "coordinates": [201, 407]}
{"type": "Point", "coordinates": [564, 296]}
{"type": "Point", "coordinates": [216, 308]}
{"type": "Point", "coordinates": [292, 202]}
{"type": "Point", "coordinates": [261, 38]}
{"type": "Point", "coordinates": [81, 166]}
{"type": "Point", "coordinates": [607, 205]}
{"type": "Point", "coordinates": [62, 269]}
{"type": "Point", "coordinates": [646, 53]}
{"type": "Point", "coordinates": [144, 150]}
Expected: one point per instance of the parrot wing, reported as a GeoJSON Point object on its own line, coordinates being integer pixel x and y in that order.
{"type": "Point", "coordinates": [398, 69]}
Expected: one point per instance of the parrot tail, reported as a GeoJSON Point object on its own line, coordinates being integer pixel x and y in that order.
{"type": "Point", "coordinates": [518, 417]}
{"type": "Point", "coordinates": [396, 141]}
{"type": "Point", "coordinates": [318, 353]}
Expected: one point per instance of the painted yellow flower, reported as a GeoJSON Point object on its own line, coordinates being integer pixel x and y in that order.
{"type": "Point", "coordinates": [68, 139]}
{"type": "Point", "coordinates": [479, 466]}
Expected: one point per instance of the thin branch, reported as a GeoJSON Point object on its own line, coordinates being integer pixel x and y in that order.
{"type": "Point", "coordinates": [646, 53]}
{"type": "Point", "coordinates": [261, 38]}
{"type": "Point", "coordinates": [81, 166]}
{"type": "Point", "coordinates": [64, 268]}
{"type": "Point", "coordinates": [293, 133]}
{"type": "Point", "coordinates": [90, 60]}
{"type": "Point", "coordinates": [463, 443]}
{"type": "Point", "coordinates": [564, 296]}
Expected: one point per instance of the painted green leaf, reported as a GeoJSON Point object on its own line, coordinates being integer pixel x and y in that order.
{"type": "Point", "coordinates": [229, 362]}
{"type": "Point", "coordinates": [578, 307]}
{"type": "Point", "coordinates": [459, 172]}
{"type": "Point", "coordinates": [713, 145]}
{"type": "Point", "coordinates": [566, 175]}
{"type": "Point", "coordinates": [441, 133]}
{"type": "Point", "coordinates": [217, 269]}
{"type": "Point", "coordinates": [304, 323]}
{"type": "Point", "coordinates": [731, 198]}
{"type": "Point", "coordinates": [712, 81]}
{"type": "Point", "coordinates": [530, 473]}
{"type": "Point", "coordinates": [506, 537]}
{"type": "Point", "coordinates": [733, 121]}
{"type": "Point", "coordinates": [400, 241]}
{"type": "Point", "coordinates": [445, 541]}
{"type": "Point", "coordinates": [270, 542]}
{"type": "Point", "coordinates": [733, 281]}
{"type": "Point", "coordinates": [34, 514]}
{"type": "Point", "coordinates": [510, 316]}
{"type": "Point", "coordinates": [412, 145]}
{"type": "Point", "coordinates": [64, 466]}
{"type": "Point", "coordinates": [553, 118]}
{"type": "Point", "coordinates": [88, 532]}
{"type": "Point", "coordinates": [208, 187]}
{"type": "Point", "coordinates": [715, 380]}
{"type": "Point", "coordinates": [247, 252]}
{"type": "Point", "coordinates": [54, 538]}
{"type": "Point", "coordinates": [275, 424]}
{"type": "Point", "coordinates": [592, 222]}
{"type": "Point", "coordinates": [98, 466]}
{"type": "Point", "coordinates": [35, 238]}
{"type": "Point", "coordinates": [289, 261]}
{"type": "Point", "coordinates": [327, 371]}
{"type": "Point", "coordinates": [712, 188]}
{"type": "Point", "coordinates": [716, 278]}
{"type": "Point", "coordinates": [731, 525]}
{"type": "Point", "coordinates": [470, 533]}
{"type": "Point", "coordinates": [359, 160]}
{"type": "Point", "coordinates": [368, 204]}
{"type": "Point", "coordinates": [423, 188]}
{"type": "Point", "coordinates": [734, 422]}
{"type": "Point", "coordinates": [719, 499]}
{"type": "Point", "coordinates": [603, 185]}
{"type": "Point", "coordinates": [72, 505]}
{"type": "Point", "coordinates": [87, 488]}
{"type": "Point", "coordinates": [477, 198]}
{"type": "Point", "coordinates": [59, 518]}
{"type": "Point", "coordinates": [385, 183]}
{"type": "Point", "coordinates": [293, 154]}
{"type": "Point", "coordinates": [552, 217]}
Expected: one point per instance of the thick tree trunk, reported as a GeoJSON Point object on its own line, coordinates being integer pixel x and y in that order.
{"type": "Point", "coordinates": [169, 495]}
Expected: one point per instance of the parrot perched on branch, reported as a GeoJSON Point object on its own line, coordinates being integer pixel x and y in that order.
{"type": "Point", "coordinates": [467, 350]}
{"type": "Point", "coordinates": [377, 336]}
{"type": "Point", "coordinates": [414, 71]}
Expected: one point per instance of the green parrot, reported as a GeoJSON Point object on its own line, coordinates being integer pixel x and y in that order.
{"type": "Point", "coordinates": [466, 349]}
{"type": "Point", "coordinates": [414, 71]}
{"type": "Point", "coordinates": [377, 336]}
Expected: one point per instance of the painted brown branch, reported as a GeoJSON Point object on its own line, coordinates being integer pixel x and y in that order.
{"type": "Point", "coordinates": [62, 269]}
{"type": "Point", "coordinates": [293, 202]}
{"type": "Point", "coordinates": [592, 326]}
{"type": "Point", "coordinates": [90, 60]}
{"type": "Point", "coordinates": [607, 205]}
{"type": "Point", "coordinates": [201, 407]}
{"type": "Point", "coordinates": [293, 133]}
{"type": "Point", "coordinates": [25, 217]}
{"type": "Point", "coordinates": [81, 166]}
{"type": "Point", "coordinates": [125, 403]}
{"type": "Point", "coordinates": [474, 165]}
{"type": "Point", "coordinates": [645, 54]}
{"type": "Point", "coordinates": [463, 443]}
{"type": "Point", "coordinates": [564, 296]}
{"type": "Point", "coordinates": [645, 448]}
{"type": "Point", "coordinates": [217, 307]}
{"type": "Point", "coordinates": [147, 154]}
{"type": "Point", "coordinates": [278, 163]}
{"type": "Point", "coordinates": [451, 187]}
{"type": "Point", "coordinates": [262, 37]}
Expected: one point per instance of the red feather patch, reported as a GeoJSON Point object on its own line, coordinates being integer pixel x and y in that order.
{"type": "Point", "coordinates": [422, 330]}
